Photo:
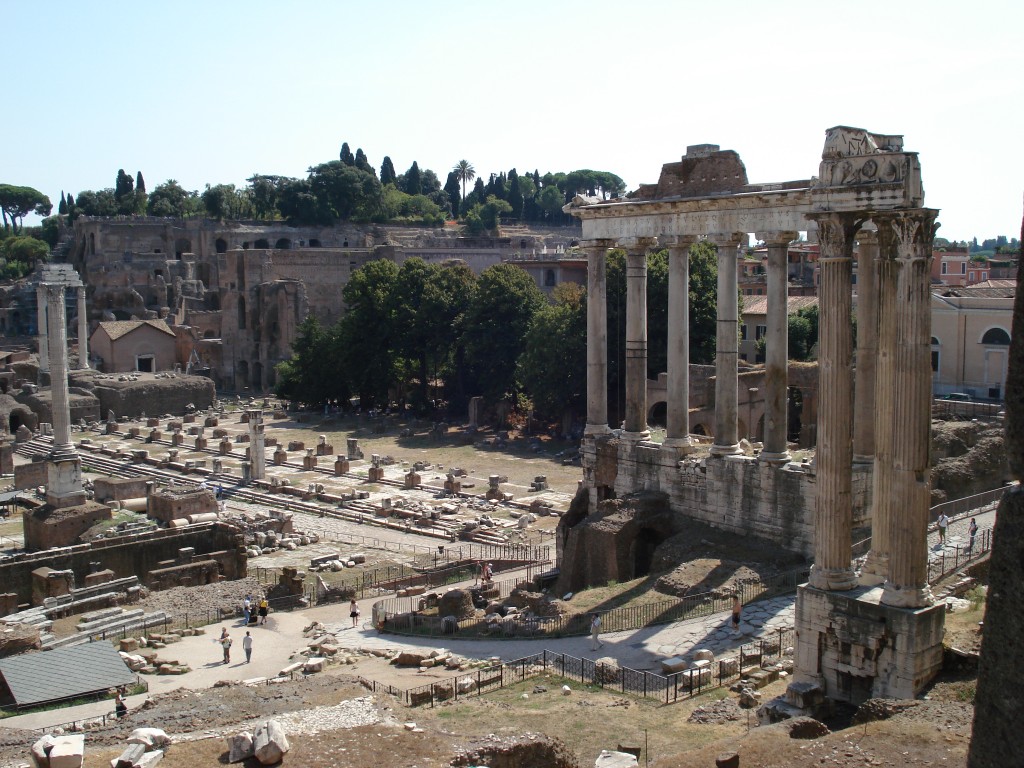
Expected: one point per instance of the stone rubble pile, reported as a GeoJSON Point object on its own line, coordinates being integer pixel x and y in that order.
{"type": "Point", "coordinates": [145, 749]}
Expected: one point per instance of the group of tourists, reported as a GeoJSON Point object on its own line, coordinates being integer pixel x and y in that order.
{"type": "Point", "coordinates": [255, 612]}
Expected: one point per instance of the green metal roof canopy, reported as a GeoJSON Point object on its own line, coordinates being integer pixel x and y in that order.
{"type": "Point", "coordinates": [64, 673]}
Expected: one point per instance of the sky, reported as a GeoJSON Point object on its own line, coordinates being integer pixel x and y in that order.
{"type": "Point", "coordinates": [212, 92]}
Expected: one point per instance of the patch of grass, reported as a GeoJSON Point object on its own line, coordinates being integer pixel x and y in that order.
{"type": "Point", "coordinates": [977, 597]}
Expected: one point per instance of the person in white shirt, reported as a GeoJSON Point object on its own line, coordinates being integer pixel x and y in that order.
{"type": "Point", "coordinates": [247, 647]}
{"type": "Point", "coordinates": [943, 522]}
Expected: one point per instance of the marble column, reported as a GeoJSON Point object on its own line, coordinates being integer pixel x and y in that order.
{"type": "Point", "coordinates": [597, 336]}
{"type": "Point", "coordinates": [776, 373]}
{"type": "Point", "coordinates": [677, 416]}
{"type": "Point", "coordinates": [884, 505]}
{"type": "Point", "coordinates": [57, 332]}
{"type": "Point", "coordinates": [907, 584]}
{"type": "Point", "coordinates": [83, 330]}
{"type": "Point", "coordinates": [635, 425]}
{"type": "Point", "coordinates": [833, 509]}
{"type": "Point", "coordinates": [726, 350]}
{"type": "Point", "coordinates": [867, 348]}
{"type": "Point", "coordinates": [44, 351]}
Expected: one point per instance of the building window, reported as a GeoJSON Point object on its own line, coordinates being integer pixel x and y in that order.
{"type": "Point", "coordinates": [743, 332]}
{"type": "Point", "coordinates": [963, 267]}
{"type": "Point", "coordinates": [944, 267]}
{"type": "Point", "coordinates": [549, 278]}
{"type": "Point", "coordinates": [761, 331]}
{"type": "Point", "coordinates": [996, 337]}
{"type": "Point", "coordinates": [970, 276]}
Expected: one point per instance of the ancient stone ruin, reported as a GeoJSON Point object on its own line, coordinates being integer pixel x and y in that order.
{"type": "Point", "coordinates": [878, 634]}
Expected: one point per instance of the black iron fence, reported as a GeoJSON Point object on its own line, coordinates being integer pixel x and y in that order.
{"type": "Point", "coordinates": [951, 559]}
{"type": "Point", "coordinates": [405, 615]}
{"type": "Point", "coordinates": [667, 688]}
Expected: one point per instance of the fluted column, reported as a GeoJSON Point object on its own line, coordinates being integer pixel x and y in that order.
{"type": "Point", "coordinates": [677, 413]}
{"type": "Point", "coordinates": [833, 510]}
{"type": "Point", "coordinates": [44, 351]}
{"type": "Point", "coordinates": [635, 426]}
{"type": "Point", "coordinates": [907, 585]}
{"type": "Point", "coordinates": [884, 504]}
{"type": "Point", "coordinates": [58, 339]}
{"type": "Point", "coordinates": [726, 350]}
{"type": "Point", "coordinates": [597, 336]}
{"type": "Point", "coordinates": [867, 349]}
{"type": "Point", "coordinates": [83, 330]}
{"type": "Point", "coordinates": [776, 374]}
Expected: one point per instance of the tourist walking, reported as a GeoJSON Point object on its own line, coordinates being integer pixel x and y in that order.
{"type": "Point", "coordinates": [225, 643]}
{"type": "Point", "coordinates": [264, 609]}
{"type": "Point", "coordinates": [353, 611]}
{"type": "Point", "coordinates": [972, 531]}
{"type": "Point", "coordinates": [247, 647]}
{"type": "Point", "coordinates": [120, 705]}
{"type": "Point", "coordinates": [943, 523]}
{"type": "Point", "coordinates": [595, 630]}
{"type": "Point", "coordinates": [737, 612]}
{"type": "Point", "coordinates": [247, 607]}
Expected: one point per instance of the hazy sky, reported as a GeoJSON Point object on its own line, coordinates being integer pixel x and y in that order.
{"type": "Point", "coordinates": [214, 91]}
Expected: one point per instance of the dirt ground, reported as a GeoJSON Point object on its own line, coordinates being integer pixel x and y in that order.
{"type": "Point", "coordinates": [932, 732]}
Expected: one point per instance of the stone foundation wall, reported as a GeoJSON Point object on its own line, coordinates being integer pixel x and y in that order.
{"type": "Point", "coordinates": [118, 488]}
{"type": "Point", "coordinates": [734, 493]}
{"type": "Point", "coordinates": [129, 555]}
{"type": "Point", "coordinates": [30, 475]}
{"type": "Point", "coordinates": [168, 504]}
{"type": "Point", "coordinates": [46, 527]}
{"type": "Point", "coordinates": [147, 395]}
{"type": "Point", "coordinates": [864, 649]}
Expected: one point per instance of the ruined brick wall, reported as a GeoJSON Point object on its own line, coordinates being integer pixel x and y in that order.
{"type": "Point", "coordinates": [46, 527]}
{"type": "Point", "coordinates": [30, 475]}
{"type": "Point", "coordinates": [118, 488]}
{"type": "Point", "coordinates": [148, 395]}
{"type": "Point", "coordinates": [130, 555]}
{"type": "Point", "coordinates": [81, 405]}
{"type": "Point", "coordinates": [168, 504]}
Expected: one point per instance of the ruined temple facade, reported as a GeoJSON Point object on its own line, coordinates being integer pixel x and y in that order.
{"type": "Point", "coordinates": [876, 633]}
{"type": "Point", "coordinates": [234, 294]}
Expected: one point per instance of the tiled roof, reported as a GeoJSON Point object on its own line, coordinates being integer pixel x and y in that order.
{"type": "Point", "coordinates": [63, 673]}
{"type": "Point", "coordinates": [115, 329]}
{"type": "Point", "coordinates": [980, 291]}
{"type": "Point", "coordinates": [758, 305]}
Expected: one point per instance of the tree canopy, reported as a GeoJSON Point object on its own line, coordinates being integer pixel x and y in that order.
{"type": "Point", "coordinates": [16, 202]}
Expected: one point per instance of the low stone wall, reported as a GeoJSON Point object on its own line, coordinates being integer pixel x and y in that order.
{"type": "Point", "coordinates": [147, 395]}
{"type": "Point", "coordinates": [118, 488]}
{"type": "Point", "coordinates": [130, 555]}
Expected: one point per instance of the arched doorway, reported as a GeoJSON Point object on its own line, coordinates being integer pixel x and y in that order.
{"type": "Point", "coordinates": [646, 541]}
{"type": "Point", "coordinates": [221, 245]}
{"type": "Point", "coordinates": [658, 415]}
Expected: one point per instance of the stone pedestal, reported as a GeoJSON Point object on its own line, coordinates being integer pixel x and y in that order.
{"type": "Point", "coordinates": [154, 436]}
{"type": "Point", "coordinates": [246, 472]}
{"type": "Point", "coordinates": [152, 423]}
{"type": "Point", "coordinates": [376, 474]}
{"type": "Point", "coordinates": [201, 443]}
{"type": "Point", "coordinates": [341, 466]}
{"type": "Point", "coordinates": [211, 421]}
{"type": "Point", "coordinates": [177, 439]}
{"type": "Point", "coordinates": [412, 480]}
{"type": "Point", "coordinates": [280, 456]}
{"type": "Point", "coordinates": [324, 449]}
{"type": "Point", "coordinates": [309, 461]}
{"type": "Point", "coordinates": [110, 428]}
{"type": "Point", "coordinates": [863, 648]}
{"type": "Point", "coordinates": [224, 447]}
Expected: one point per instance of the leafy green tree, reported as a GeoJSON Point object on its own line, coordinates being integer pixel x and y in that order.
{"type": "Point", "coordinates": [398, 207]}
{"type": "Point", "coordinates": [387, 171]}
{"type": "Point", "coordinates": [703, 302]}
{"type": "Point", "coordinates": [124, 193]}
{"type": "Point", "coordinates": [171, 199]}
{"type": "Point", "coordinates": [346, 155]}
{"type": "Point", "coordinates": [20, 254]}
{"type": "Point", "coordinates": [802, 334]}
{"type": "Point", "coordinates": [451, 187]}
{"type": "Point", "coordinates": [345, 192]}
{"type": "Point", "coordinates": [486, 217]}
{"type": "Point", "coordinates": [90, 203]}
{"type": "Point", "coordinates": [16, 202]}
{"type": "Point", "coordinates": [429, 183]}
{"type": "Point", "coordinates": [140, 194]}
{"type": "Point", "coordinates": [312, 374]}
{"type": "Point", "coordinates": [367, 331]}
{"type": "Point", "coordinates": [465, 173]}
{"type": "Point", "coordinates": [363, 164]}
{"type": "Point", "coordinates": [515, 195]}
{"type": "Point", "coordinates": [299, 205]}
{"type": "Point", "coordinates": [264, 192]}
{"type": "Point", "coordinates": [552, 368]}
{"type": "Point", "coordinates": [497, 321]}
{"type": "Point", "coordinates": [413, 180]}
{"type": "Point", "coordinates": [550, 202]}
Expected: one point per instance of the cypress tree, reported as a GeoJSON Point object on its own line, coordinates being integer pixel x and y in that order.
{"type": "Point", "coordinates": [387, 171]}
{"type": "Point", "coordinates": [346, 155]}
{"type": "Point", "coordinates": [62, 207]}
{"type": "Point", "coordinates": [413, 181]}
